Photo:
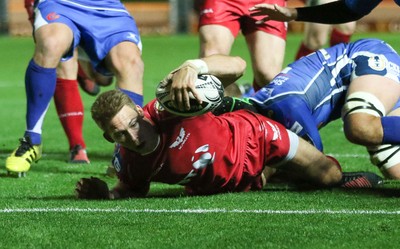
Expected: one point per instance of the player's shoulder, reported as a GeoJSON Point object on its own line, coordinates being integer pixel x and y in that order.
{"type": "Point", "coordinates": [155, 110]}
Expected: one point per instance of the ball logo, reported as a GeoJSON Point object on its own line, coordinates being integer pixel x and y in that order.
{"type": "Point", "coordinates": [210, 92]}
{"type": "Point", "coordinates": [52, 16]}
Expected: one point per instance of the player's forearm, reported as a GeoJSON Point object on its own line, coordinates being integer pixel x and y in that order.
{"type": "Point", "coordinates": [227, 68]}
{"type": "Point", "coordinates": [330, 13]}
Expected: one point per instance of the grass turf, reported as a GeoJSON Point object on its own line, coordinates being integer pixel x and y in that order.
{"type": "Point", "coordinates": [40, 211]}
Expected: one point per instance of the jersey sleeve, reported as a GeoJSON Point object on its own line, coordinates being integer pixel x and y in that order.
{"type": "Point", "coordinates": [361, 7]}
{"type": "Point", "coordinates": [156, 113]}
{"type": "Point", "coordinates": [334, 12]}
{"type": "Point", "coordinates": [132, 171]}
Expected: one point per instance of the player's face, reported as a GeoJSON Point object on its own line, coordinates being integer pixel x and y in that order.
{"type": "Point", "coordinates": [130, 129]}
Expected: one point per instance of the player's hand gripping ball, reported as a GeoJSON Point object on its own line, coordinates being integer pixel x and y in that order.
{"type": "Point", "coordinates": [208, 87]}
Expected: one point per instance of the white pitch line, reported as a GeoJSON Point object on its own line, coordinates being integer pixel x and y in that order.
{"type": "Point", "coordinates": [350, 155]}
{"type": "Point", "coordinates": [197, 211]}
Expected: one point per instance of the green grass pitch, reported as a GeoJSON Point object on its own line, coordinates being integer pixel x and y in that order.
{"type": "Point", "coordinates": [40, 210]}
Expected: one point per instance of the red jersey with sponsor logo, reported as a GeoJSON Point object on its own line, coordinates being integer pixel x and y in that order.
{"type": "Point", "coordinates": [207, 154]}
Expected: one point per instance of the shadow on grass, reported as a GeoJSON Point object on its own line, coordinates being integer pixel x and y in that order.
{"type": "Point", "coordinates": [375, 191]}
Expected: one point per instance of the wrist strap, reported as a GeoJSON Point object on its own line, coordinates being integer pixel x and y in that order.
{"type": "Point", "coordinates": [200, 65]}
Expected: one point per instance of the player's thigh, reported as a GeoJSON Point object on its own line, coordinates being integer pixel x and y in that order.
{"type": "Point", "coordinates": [52, 42]}
{"type": "Point", "coordinates": [215, 39]}
{"type": "Point", "coordinates": [347, 28]}
{"type": "Point", "coordinates": [125, 62]}
{"type": "Point", "coordinates": [267, 54]}
{"type": "Point", "coordinates": [123, 57]}
{"type": "Point", "coordinates": [368, 98]}
{"type": "Point", "coordinates": [316, 35]}
{"type": "Point", "coordinates": [386, 90]}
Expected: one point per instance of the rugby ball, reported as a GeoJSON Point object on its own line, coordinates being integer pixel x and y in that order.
{"type": "Point", "coordinates": [208, 87]}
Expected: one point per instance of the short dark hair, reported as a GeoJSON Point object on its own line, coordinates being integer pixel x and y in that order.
{"type": "Point", "coordinates": [107, 105]}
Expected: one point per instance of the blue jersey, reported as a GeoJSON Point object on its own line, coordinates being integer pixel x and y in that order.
{"type": "Point", "coordinates": [363, 7]}
{"type": "Point", "coordinates": [97, 26]}
{"type": "Point", "coordinates": [310, 92]}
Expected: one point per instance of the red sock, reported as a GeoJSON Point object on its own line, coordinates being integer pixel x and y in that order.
{"type": "Point", "coordinates": [69, 107]}
{"type": "Point", "coordinates": [338, 37]}
{"type": "Point", "coordinates": [303, 51]}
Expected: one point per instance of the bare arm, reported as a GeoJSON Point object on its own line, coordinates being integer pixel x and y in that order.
{"type": "Point", "coordinates": [182, 80]}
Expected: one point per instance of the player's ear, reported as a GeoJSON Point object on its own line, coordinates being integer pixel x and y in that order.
{"type": "Point", "coordinates": [108, 137]}
{"type": "Point", "coordinates": [139, 110]}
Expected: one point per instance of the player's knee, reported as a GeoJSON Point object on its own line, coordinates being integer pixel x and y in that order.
{"type": "Point", "coordinates": [363, 129]}
{"type": "Point", "coordinates": [361, 115]}
{"type": "Point", "coordinates": [50, 51]}
{"type": "Point", "coordinates": [129, 65]}
{"type": "Point", "coordinates": [139, 64]}
{"type": "Point", "coordinates": [315, 42]}
{"type": "Point", "coordinates": [331, 173]}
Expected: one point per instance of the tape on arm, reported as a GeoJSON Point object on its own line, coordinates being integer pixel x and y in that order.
{"type": "Point", "coordinates": [199, 65]}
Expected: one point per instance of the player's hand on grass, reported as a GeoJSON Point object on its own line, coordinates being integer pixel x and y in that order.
{"type": "Point", "coordinates": [92, 188]}
{"type": "Point", "coordinates": [273, 12]}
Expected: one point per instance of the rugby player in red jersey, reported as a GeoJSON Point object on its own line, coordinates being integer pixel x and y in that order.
{"type": "Point", "coordinates": [207, 154]}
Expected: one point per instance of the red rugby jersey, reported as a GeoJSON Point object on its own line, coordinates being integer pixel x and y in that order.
{"type": "Point", "coordinates": [208, 154]}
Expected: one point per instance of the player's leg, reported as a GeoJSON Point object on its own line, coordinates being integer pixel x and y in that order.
{"type": "Point", "coordinates": [365, 110]}
{"type": "Point", "coordinates": [85, 69]}
{"type": "Point", "coordinates": [219, 27]}
{"type": "Point", "coordinates": [86, 82]}
{"type": "Point", "coordinates": [88, 79]}
{"type": "Point", "coordinates": [368, 124]}
{"type": "Point", "coordinates": [310, 164]}
{"type": "Point", "coordinates": [387, 156]}
{"type": "Point", "coordinates": [70, 110]}
{"type": "Point", "coordinates": [342, 33]}
{"type": "Point", "coordinates": [267, 53]}
{"type": "Point", "coordinates": [125, 61]}
{"type": "Point", "coordinates": [315, 37]}
{"type": "Point", "coordinates": [52, 41]}
{"type": "Point", "coordinates": [215, 39]}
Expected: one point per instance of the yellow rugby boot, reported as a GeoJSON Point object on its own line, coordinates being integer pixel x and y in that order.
{"type": "Point", "coordinates": [20, 160]}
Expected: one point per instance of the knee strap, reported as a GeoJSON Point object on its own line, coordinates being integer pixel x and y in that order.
{"type": "Point", "coordinates": [384, 156]}
{"type": "Point", "coordinates": [363, 102]}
